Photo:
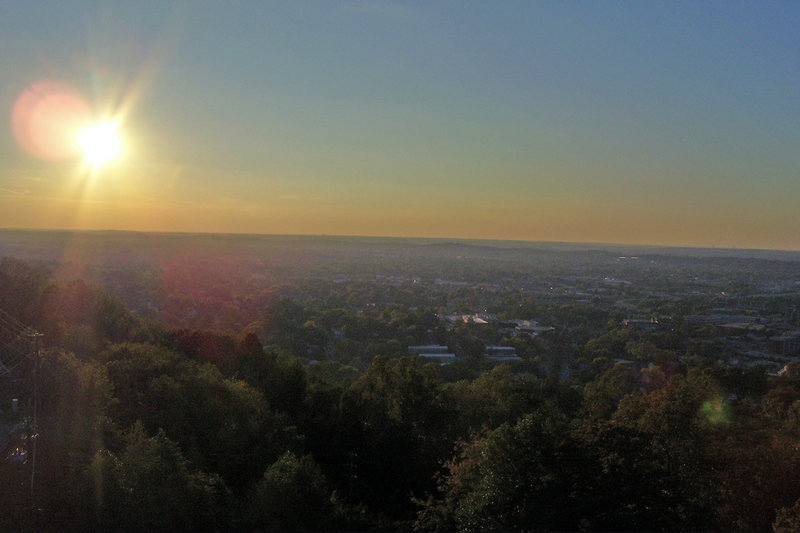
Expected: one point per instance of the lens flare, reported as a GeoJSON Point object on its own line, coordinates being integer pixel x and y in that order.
{"type": "Point", "coordinates": [46, 119]}
{"type": "Point", "coordinates": [716, 411]}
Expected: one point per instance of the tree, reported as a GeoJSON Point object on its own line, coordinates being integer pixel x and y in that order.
{"type": "Point", "coordinates": [602, 395]}
{"type": "Point", "coordinates": [291, 496]}
{"type": "Point", "coordinates": [624, 487]}
{"type": "Point", "coordinates": [495, 397]}
{"type": "Point", "coordinates": [20, 287]}
{"type": "Point", "coordinates": [113, 321]}
{"type": "Point", "coordinates": [150, 487]}
{"type": "Point", "coordinates": [281, 378]}
{"type": "Point", "coordinates": [73, 423]}
{"type": "Point", "coordinates": [393, 425]}
{"type": "Point", "coordinates": [787, 519]}
{"type": "Point", "coordinates": [223, 424]}
{"type": "Point", "coordinates": [682, 421]}
{"type": "Point", "coordinates": [526, 476]}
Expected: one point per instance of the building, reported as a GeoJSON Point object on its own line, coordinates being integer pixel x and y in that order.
{"type": "Point", "coordinates": [428, 349]}
{"type": "Point", "coordinates": [531, 328]}
{"type": "Point", "coordinates": [441, 358]}
{"type": "Point", "coordinates": [502, 353]}
{"type": "Point", "coordinates": [788, 344]}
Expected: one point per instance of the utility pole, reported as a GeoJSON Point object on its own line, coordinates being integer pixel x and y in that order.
{"type": "Point", "coordinates": [33, 432]}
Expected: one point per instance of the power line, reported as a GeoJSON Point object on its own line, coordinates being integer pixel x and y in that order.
{"type": "Point", "coordinates": [11, 327]}
{"type": "Point", "coordinates": [19, 330]}
{"type": "Point", "coordinates": [13, 323]}
{"type": "Point", "coordinates": [20, 356]}
{"type": "Point", "coordinates": [36, 338]}
{"type": "Point", "coordinates": [15, 346]}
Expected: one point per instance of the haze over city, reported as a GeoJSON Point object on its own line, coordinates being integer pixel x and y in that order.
{"type": "Point", "coordinates": [643, 123]}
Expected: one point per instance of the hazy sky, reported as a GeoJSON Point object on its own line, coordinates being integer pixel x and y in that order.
{"type": "Point", "coordinates": [626, 122]}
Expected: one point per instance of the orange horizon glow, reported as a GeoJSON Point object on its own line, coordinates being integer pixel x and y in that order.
{"type": "Point", "coordinates": [175, 126]}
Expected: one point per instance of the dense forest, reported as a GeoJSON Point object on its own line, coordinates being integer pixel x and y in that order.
{"type": "Point", "coordinates": [141, 424]}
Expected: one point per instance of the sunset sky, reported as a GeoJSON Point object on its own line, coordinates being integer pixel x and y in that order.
{"type": "Point", "coordinates": [671, 123]}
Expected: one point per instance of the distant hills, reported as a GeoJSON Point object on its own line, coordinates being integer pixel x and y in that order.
{"type": "Point", "coordinates": [111, 245]}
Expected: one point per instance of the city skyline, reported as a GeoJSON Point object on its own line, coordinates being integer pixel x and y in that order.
{"type": "Point", "coordinates": [633, 123]}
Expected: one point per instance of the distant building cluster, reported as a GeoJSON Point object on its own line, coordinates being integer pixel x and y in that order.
{"type": "Point", "coordinates": [788, 344]}
{"type": "Point", "coordinates": [508, 328]}
{"type": "Point", "coordinates": [442, 354]}
{"type": "Point", "coordinates": [512, 328]}
{"type": "Point", "coordinates": [650, 324]}
{"type": "Point", "coordinates": [433, 352]}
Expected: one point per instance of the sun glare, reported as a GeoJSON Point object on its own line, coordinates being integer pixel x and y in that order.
{"type": "Point", "coordinates": [100, 144]}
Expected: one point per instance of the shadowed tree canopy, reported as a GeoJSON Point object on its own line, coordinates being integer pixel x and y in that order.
{"type": "Point", "coordinates": [292, 495]}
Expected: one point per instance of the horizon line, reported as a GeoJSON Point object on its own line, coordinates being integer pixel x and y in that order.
{"type": "Point", "coordinates": [408, 238]}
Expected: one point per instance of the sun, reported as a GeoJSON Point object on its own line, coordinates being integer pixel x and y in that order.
{"type": "Point", "coordinates": [100, 144]}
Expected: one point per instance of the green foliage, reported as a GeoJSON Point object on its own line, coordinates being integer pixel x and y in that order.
{"type": "Point", "coordinates": [680, 431]}
{"type": "Point", "coordinates": [519, 477]}
{"type": "Point", "coordinates": [226, 434]}
{"type": "Point", "coordinates": [75, 397]}
{"type": "Point", "coordinates": [627, 485]}
{"type": "Point", "coordinates": [494, 397]}
{"type": "Point", "coordinates": [72, 389]}
{"type": "Point", "coordinates": [394, 425]}
{"type": "Point", "coordinates": [405, 390]}
{"type": "Point", "coordinates": [334, 373]}
{"type": "Point", "coordinates": [787, 519]}
{"type": "Point", "coordinates": [21, 284]}
{"type": "Point", "coordinates": [150, 486]}
{"type": "Point", "coordinates": [602, 395]}
{"type": "Point", "coordinates": [292, 495]}
{"type": "Point", "coordinates": [224, 424]}
{"type": "Point", "coordinates": [279, 377]}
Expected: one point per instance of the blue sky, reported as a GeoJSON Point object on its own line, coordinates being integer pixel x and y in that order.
{"type": "Point", "coordinates": [640, 122]}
